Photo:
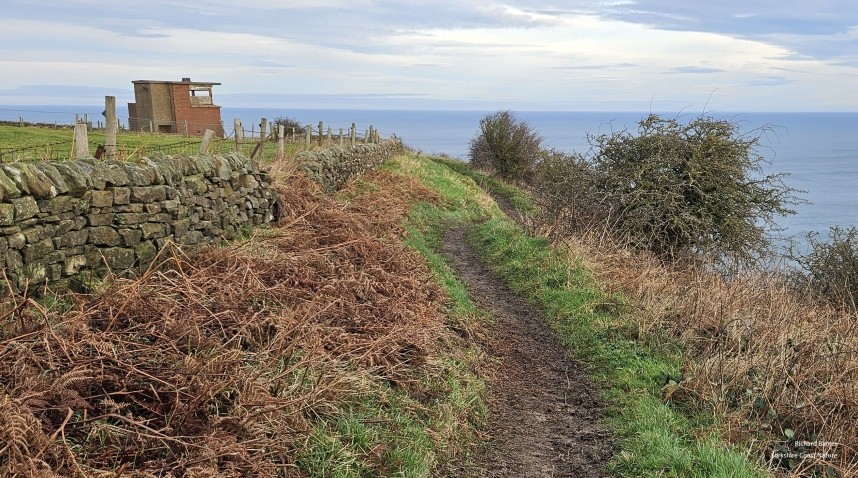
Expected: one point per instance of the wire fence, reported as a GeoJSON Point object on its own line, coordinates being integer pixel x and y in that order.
{"type": "Point", "coordinates": [252, 141]}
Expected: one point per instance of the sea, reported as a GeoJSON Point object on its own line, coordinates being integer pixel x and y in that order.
{"type": "Point", "coordinates": [818, 151]}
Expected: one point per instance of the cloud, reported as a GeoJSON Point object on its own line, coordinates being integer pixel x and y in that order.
{"type": "Point", "coordinates": [696, 70]}
{"type": "Point", "coordinates": [786, 23]}
{"type": "Point", "coordinates": [521, 54]}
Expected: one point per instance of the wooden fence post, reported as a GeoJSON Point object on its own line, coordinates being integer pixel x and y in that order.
{"type": "Point", "coordinates": [321, 132]}
{"type": "Point", "coordinates": [341, 136]}
{"type": "Point", "coordinates": [239, 134]}
{"type": "Point", "coordinates": [263, 137]}
{"type": "Point", "coordinates": [353, 135]}
{"type": "Point", "coordinates": [186, 128]}
{"type": "Point", "coordinates": [81, 141]}
{"type": "Point", "coordinates": [110, 127]}
{"type": "Point", "coordinates": [308, 133]}
{"type": "Point", "coordinates": [328, 138]}
{"type": "Point", "coordinates": [208, 137]}
{"type": "Point", "coordinates": [281, 141]}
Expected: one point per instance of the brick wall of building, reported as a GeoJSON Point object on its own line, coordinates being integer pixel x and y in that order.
{"type": "Point", "coordinates": [199, 118]}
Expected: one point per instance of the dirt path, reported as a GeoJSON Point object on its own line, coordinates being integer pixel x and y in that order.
{"type": "Point", "coordinates": [507, 207]}
{"type": "Point", "coordinates": [544, 419]}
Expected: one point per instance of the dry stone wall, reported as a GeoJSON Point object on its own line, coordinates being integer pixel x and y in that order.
{"type": "Point", "coordinates": [332, 167]}
{"type": "Point", "coordinates": [60, 219]}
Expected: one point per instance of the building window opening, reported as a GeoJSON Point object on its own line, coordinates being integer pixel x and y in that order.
{"type": "Point", "coordinates": [201, 96]}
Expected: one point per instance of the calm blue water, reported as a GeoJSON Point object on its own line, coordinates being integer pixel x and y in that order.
{"type": "Point", "coordinates": [819, 150]}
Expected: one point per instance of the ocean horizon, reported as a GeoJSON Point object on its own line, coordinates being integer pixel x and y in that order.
{"type": "Point", "coordinates": [818, 150]}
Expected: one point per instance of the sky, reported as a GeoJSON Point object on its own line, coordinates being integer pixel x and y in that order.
{"type": "Point", "coordinates": [572, 55]}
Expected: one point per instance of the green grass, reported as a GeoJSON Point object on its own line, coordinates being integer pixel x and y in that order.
{"type": "Point", "coordinates": [655, 439]}
{"type": "Point", "coordinates": [374, 437]}
{"type": "Point", "coordinates": [519, 199]}
{"type": "Point", "coordinates": [33, 143]}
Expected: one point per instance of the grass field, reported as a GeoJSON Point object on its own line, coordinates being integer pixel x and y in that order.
{"type": "Point", "coordinates": [33, 143]}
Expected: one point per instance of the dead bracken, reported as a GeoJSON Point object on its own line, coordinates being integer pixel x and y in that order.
{"type": "Point", "coordinates": [214, 364]}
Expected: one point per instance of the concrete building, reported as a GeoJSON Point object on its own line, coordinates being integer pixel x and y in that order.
{"type": "Point", "coordinates": [183, 107]}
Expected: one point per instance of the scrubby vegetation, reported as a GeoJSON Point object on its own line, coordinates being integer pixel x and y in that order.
{"type": "Point", "coordinates": [506, 145]}
{"type": "Point", "coordinates": [288, 123]}
{"type": "Point", "coordinates": [829, 268]}
{"type": "Point", "coordinates": [774, 368]}
{"type": "Point", "coordinates": [320, 347]}
{"type": "Point", "coordinates": [679, 190]}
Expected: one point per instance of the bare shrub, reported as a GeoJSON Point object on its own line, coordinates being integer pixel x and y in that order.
{"type": "Point", "coordinates": [682, 191]}
{"type": "Point", "coordinates": [830, 268]}
{"type": "Point", "coordinates": [289, 125]}
{"type": "Point", "coordinates": [506, 146]}
{"type": "Point", "coordinates": [694, 189]}
{"type": "Point", "coordinates": [566, 187]}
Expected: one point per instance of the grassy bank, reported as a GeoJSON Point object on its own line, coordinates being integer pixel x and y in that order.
{"type": "Point", "coordinates": [656, 439]}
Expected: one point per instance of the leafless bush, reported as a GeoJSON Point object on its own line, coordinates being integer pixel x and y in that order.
{"type": "Point", "coordinates": [289, 125]}
{"type": "Point", "coordinates": [506, 146]}
{"type": "Point", "coordinates": [830, 268]}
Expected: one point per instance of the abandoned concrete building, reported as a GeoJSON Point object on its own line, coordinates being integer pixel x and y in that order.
{"type": "Point", "coordinates": [182, 107]}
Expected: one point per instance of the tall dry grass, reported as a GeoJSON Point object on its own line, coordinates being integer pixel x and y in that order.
{"type": "Point", "coordinates": [776, 368]}
{"type": "Point", "coordinates": [216, 363]}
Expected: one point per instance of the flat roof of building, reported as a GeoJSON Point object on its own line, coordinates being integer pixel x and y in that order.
{"type": "Point", "coordinates": [185, 81]}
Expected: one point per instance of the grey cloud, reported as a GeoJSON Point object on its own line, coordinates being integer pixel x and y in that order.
{"type": "Point", "coordinates": [339, 101]}
{"type": "Point", "coordinates": [812, 29]}
{"type": "Point", "coordinates": [273, 64]}
{"type": "Point", "coordinates": [815, 29]}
